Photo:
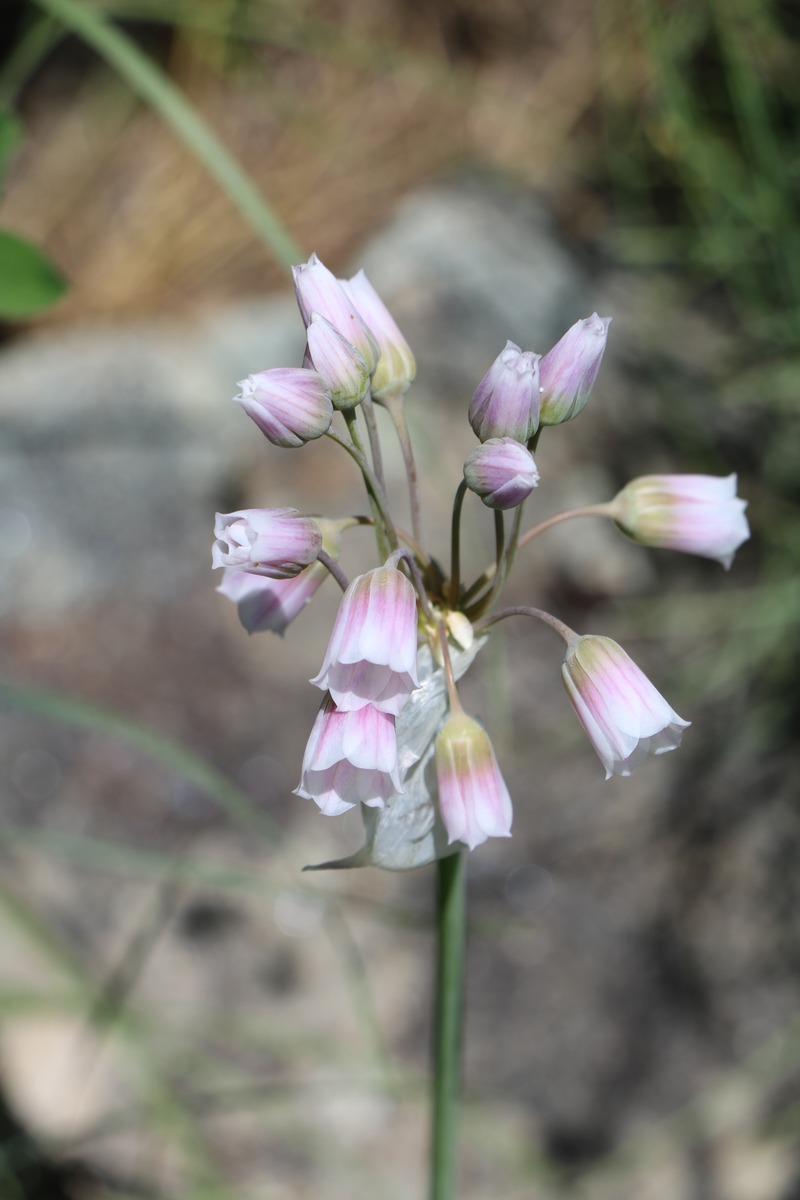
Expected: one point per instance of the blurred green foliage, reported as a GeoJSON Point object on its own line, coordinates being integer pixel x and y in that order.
{"type": "Point", "coordinates": [29, 282]}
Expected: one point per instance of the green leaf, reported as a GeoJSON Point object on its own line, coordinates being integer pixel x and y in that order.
{"type": "Point", "coordinates": [10, 137]}
{"type": "Point", "coordinates": [28, 280]}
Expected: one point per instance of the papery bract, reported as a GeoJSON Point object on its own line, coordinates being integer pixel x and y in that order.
{"type": "Point", "coordinates": [271, 604]}
{"type": "Point", "coordinates": [698, 514]}
{"type": "Point", "coordinates": [624, 715]}
{"type": "Point", "coordinates": [502, 472]}
{"type": "Point", "coordinates": [396, 367]}
{"type": "Point", "coordinates": [473, 799]}
{"type": "Point", "coordinates": [568, 371]}
{"type": "Point", "coordinates": [340, 364]}
{"type": "Point", "coordinates": [372, 653]}
{"type": "Point", "coordinates": [350, 758]}
{"type": "Point", "coordinates": [290, 405]}
{"type": "Point", "coordinates": [319, 291]}
{"type": "Point", "coordinates": [278, 542]}
{"type": "Point", "coordinates": [506, 401]}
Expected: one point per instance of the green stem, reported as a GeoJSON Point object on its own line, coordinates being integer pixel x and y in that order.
{"type": "Point", "coordinates": [455, 545]}
{"type": "Point", "coordinates": [382, 518]}
{"type": "Point", "coordinates": [451, 913]}
{"type": "Point", "coordinates": [396, 410]}
{"type": "Point", "coordinates": [368, 409]}
{"type": "Point", "coordinates": [153, 86]}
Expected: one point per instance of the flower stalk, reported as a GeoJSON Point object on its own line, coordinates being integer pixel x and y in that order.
{"type": "Point", "coordinates": [451, 927]}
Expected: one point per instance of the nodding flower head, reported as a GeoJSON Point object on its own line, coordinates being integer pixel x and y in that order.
{"type": "Point", "coordinates": [396, 367]}
{"type": "Point", "coordinates": [624, 716]}
{"type": "Point", "coordinates": [372, 653]}
{"type": "Point", "coordinates": [278, 542]}
{"type": "Point", "coordinates": [502, 472]}
{"type": "Point", "coordinates": [473, 799]}
{"type": "Point", "coordinates": [290, 405]}
{"type": "Point", "coordinates": [698, 514]}
{"type": "Point", "coordinates": [350, 758]}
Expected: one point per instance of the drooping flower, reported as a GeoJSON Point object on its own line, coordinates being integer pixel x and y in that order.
{"type": "Point", "coordinates": [699, 514]}
{"type": "Point", "coordinates": [473, 799]}
{"type": "Point", "coordinates": [290, 405]}
{"type": "Point", "coordinates": [350, 758]}
{"type": "Point", "coordinates": [624, 716]}
{"type": "Point", "coordinates": [343, 367]}
{"type": "Point", "coordinates": [506, 401]}
{"type": "Point", "coordinates": [372, 653]}
{"type": "Point", "coordinates": [502, 472]}
{"type": "Point", "coordinates": [319, 291]}
{"type": "Point", "coordinates": [568, 371]}
{"type": "Point", "coordinates": [396, 367]}
{"type": "Point", "coordinates": [278, 542]}
{"type": "Point", "coordinates": [270, 604]}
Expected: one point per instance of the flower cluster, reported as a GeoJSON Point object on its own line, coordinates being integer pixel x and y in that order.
{"type": "Point", "coordinates": [391, 733]}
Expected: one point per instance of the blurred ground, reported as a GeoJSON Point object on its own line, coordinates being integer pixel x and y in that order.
{"type": "Point", "coordinates": [183, 1012]}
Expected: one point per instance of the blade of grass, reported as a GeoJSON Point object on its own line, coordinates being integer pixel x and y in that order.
{"type": "Point", "coordinates": [52, 706]}
{"type": "Point", "coordinates": [157, 90]}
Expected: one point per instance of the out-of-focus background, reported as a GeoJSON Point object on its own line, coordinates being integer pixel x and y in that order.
{"type": "Point", "coordinates": [182, 1012]}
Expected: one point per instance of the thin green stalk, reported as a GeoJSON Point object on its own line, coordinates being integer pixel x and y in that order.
{"type": "Point", "coordinates": [455, 545]}
{"type": "Point", "coordinates": [385, 533]}
{"type": "Point", "coordinates": [396, 410]}
{"type": "Point", "coordinates": [157, 90]}
{"type": "Point", "coordinates": [451, 910]}
{"type": "Point", "coordinates": [368, 409]}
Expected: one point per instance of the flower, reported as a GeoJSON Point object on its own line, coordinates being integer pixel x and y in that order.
{"type": "Point", "coordinates": [272, 604]}
{"type": "Point", "coordinates": [624, 716]}
{"type": "Point", "coordinates": [502, 472]}
{"type": "Point", "coordinates": [350, 758]}
{"type": "Point", "coordinates": [290, 405]}
{"type": "Point", "coordinates": [340, 364]}
{"type": "Point", "coordinates": [473, 799]}
{"type": "Point", "coordinates": [506, 401]}
{"type": "Point", "coordinates": [396, 366]}
{"type": "Point", "coordinates": [568, 371]}
{"type": "Point", "coordinates": [372, 653]}
{"type": "Point", "coordinates": [699, 514]}
{"type": "Point", "coordinates": [277, 542]}
{"type": "Point", "coordinates": [319, 291]}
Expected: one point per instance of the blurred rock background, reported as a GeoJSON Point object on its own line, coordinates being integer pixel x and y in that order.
{"type": "Point", "coordinates": [182, 1013]}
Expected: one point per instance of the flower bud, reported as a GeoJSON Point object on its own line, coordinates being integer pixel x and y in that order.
{"type": "Point", "coordinates": [473, 799]}
{"type": "Point", "coordinates": [506, 401]}
{"type": "Point", "coordinates": [699, 514]}
{"type": "Point", "coordinates": [568, 371]}
{"type": "Point", "coordinates": [343, 367]}
{"type": "Point", "coordinates": [277, 542]}
{"type": "Point", "coordinates": [624, 716]}
{"type": "Point", "coordinates": [502, 472]}
{"type": "Point", "coordinates": [396, 366]}
{"type": "Point", "coordinates": [319, 291]}
{"type": "Point", "coordinates": [290, 405]}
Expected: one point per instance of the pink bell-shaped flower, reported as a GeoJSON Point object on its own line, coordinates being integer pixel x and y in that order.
{"type": "Point", "coordinates": [624, 716]}
{"type": "Point", "coordinates": [506, 401]}
{"type": "Point", "coordinates": [473, 799]}
{"type": "Point", "coordinates": [271, 604]}
{"type": "Point", "coordinates": [568, 371]}
{"type": "Point", "coordinates": [319, 291]}
{"type": "Point", "coordinates": [350, 758]}
{"type": "Point", "coordinates": [372, 653]}
{"type": "Point", "coordinates": [699, 514]}
{"type": "Point", "coordinates": [290, 405]}
{"type": "Point", "coordinates": [502, 472]}
{"type": "Point", "coordinates": [278, 542]}
{"type": "Point", "coordinates": [396, 366]}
